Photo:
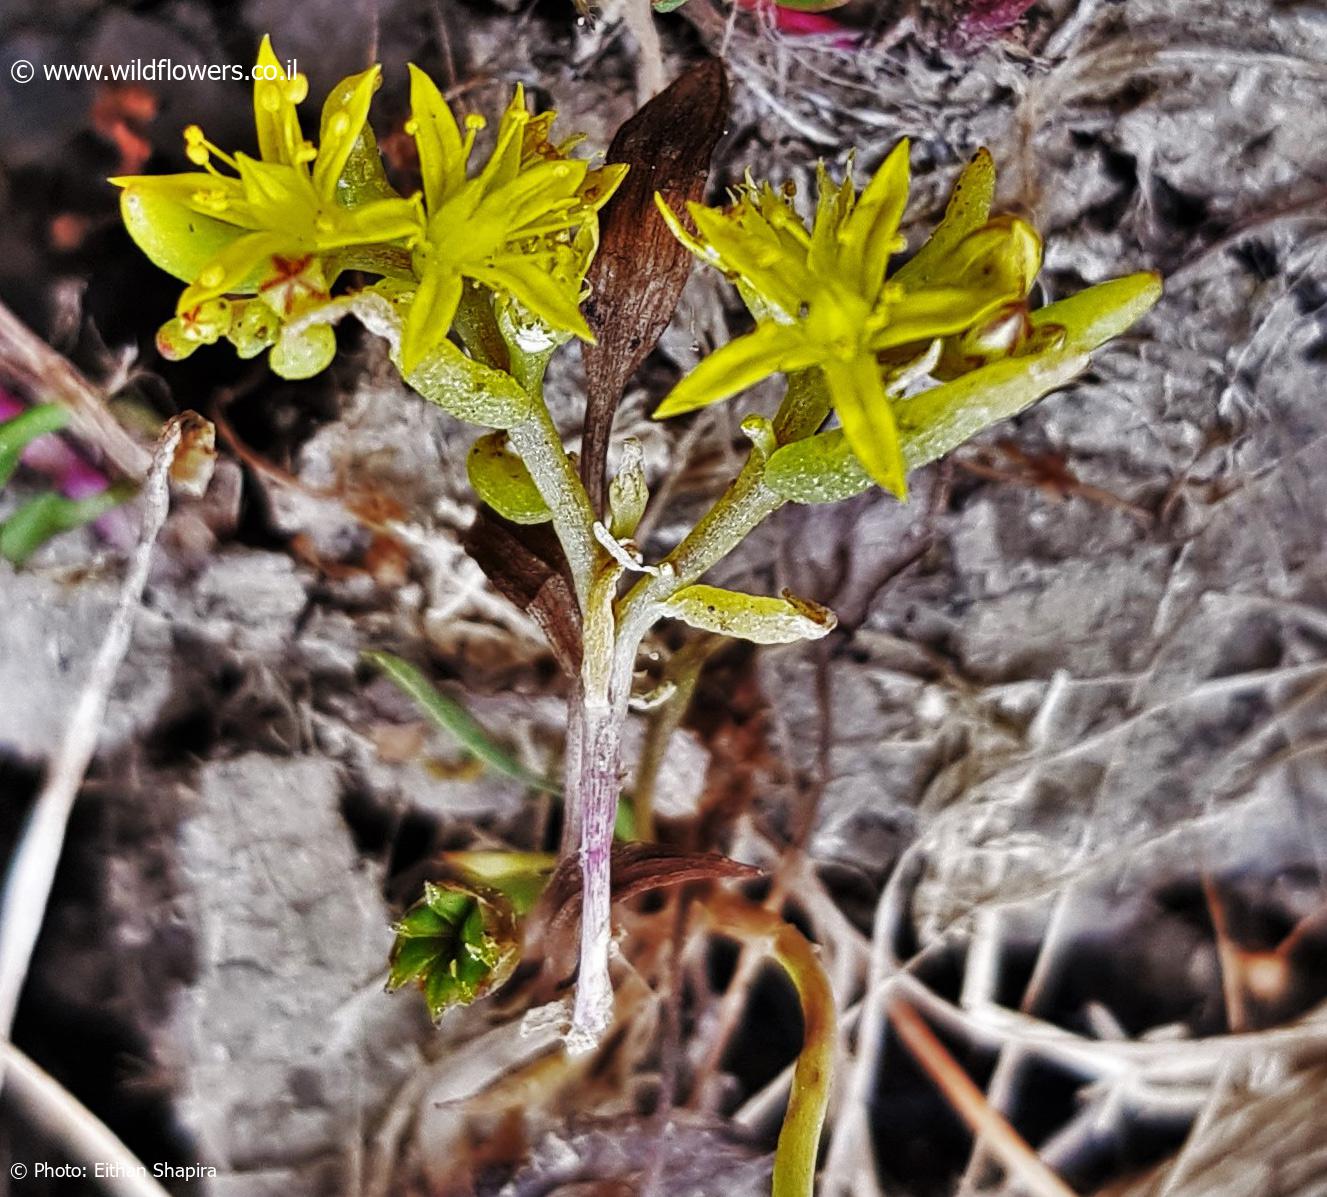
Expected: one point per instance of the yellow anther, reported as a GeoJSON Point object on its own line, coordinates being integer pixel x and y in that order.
{"type": "Point", "coordinates": [296, 89]}
{"type": "Point", "coordinates": [474, 122]}
{"type": "Point", "coordinates": [411, 127]}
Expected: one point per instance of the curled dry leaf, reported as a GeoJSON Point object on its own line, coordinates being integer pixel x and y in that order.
{"type": "Point", "coordinates": [636, 868]}
{"type": "Point", "coordinates": [527, 566]}
{"type": "Point", "coordinates": [640, 268]}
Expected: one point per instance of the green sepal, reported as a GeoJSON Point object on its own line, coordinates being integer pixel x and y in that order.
{"type": "Point", "coordinates": [21, 430]}
{"type": "Point", "coordinates": [761, 619]}
{"type": "Point", "coordinates": [823, 469]}
{"type": "Point", "coordinates": [301, 351]}
{"type": "Point", "coordinates": [175, 237]}
{"type": "Point", "coordinates": [519, 876]}
{"type": "Point", "coordinates": [500, 478]}
{"type": "Point", "coordinates": [457, 944]}
{"type": "Point", "coordinates": [364, 178]}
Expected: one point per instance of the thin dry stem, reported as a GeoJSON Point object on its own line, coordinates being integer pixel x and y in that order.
{"type": "Point", "coordinates": [52, 1109]}
{"type": "Point", "coordinates": [32, 871]}
{"type": "Point", "coordinates": [971, 1105]}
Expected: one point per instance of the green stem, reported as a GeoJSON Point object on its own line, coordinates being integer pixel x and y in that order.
{"type": "Point", "coordinates": [808, 1099]}
{"type": "Point", "coordinates": [538, 444]}
{"type": "Point", "coordinates": [739, 510]}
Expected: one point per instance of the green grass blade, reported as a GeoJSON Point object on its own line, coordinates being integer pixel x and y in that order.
{"type": "Point", "coordinates": [454, 719]}
{"type": "Point", "coordinates": [19, 431]}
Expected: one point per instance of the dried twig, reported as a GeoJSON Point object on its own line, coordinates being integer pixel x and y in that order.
{"type": "Point", "coordinates": [57, 1113]}
{"type": "Point", "coordinates": [26, 359]}
{"type": "Point", "coordinates": [971, 1105]}
{"type": "Point", "coordinates": [32, 870]}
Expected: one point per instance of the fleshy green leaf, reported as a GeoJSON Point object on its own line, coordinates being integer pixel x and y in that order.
{"type": "Point", "coordinates": [469, 389]}
{"type": "Point", "coordinates": [1093, 317]}
{"type": "Point", "coordinates": [758, 618]}
{"type": "Point", "coordinates": [628, 493]}
{"type": "Point", "coordinates": [824, 469]}
{"type": "Point", "coordinates": [21, 430]}
{"type": "Point", "coordinates": [453, 718]}
{"type": "Point", "coordinates": [817, 469]}
{"type": "Point", "coordinates": [500, 478]}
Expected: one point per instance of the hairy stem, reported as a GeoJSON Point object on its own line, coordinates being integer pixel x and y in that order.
{"type": "Point", "coordinates": [739, 510]}
{"type": "Point", "coordinates": [538, 444]}
{"type": "Point", "coordinates": [593, 784]}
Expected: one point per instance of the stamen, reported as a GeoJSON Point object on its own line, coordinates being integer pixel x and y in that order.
{"type": "Point", "coordinates": [199, 151]}
{"type": "Point", "coordinates": [473, 124]}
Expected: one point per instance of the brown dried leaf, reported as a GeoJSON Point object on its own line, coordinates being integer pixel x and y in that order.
{"type": "Point", "coordinates": [527, 566]}
{"type": "Point", "coordinates": [636, 868]}
{"type": "Point", "coordinates": [639, 272]}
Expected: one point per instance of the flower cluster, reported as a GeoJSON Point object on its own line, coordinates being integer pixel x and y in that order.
{"type": "Point", "coordinates": [824, 298]}
{"type": "Point", "coordinates": [261, 242]}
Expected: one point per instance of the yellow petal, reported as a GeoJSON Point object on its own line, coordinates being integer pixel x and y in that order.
{"type": "Point", "coordinates": [438, 139]}
{"type": "Point", "coordinates": [968, 209]}
{"type": "Point", "coordinates": [832, 209]}
{"type": "Point", "coordinates": [747, 249]}
{"type": "Point", "coordinates": [870, 234]}
{"type": "Point", "coordinates": [431, 314]}
{"type": "Point", "coordinates": [233, 268]}
{"type": "Point", "coordinates": [739, 364]}
{"type": "Point", "coordinates": [555, 301]}
{"type": "Point", "coordinates": [936, 312]}
{"type": "Point", "coordinates": [680, 231]}
{"type": "Point", "coordinates": [505, 163]}
{"type": "Point", "coordinates": [279, 136]}
{"type": "Point", "coordinates": [344, 114]}
{"type": "Point", "coordinates": [868, 422]}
